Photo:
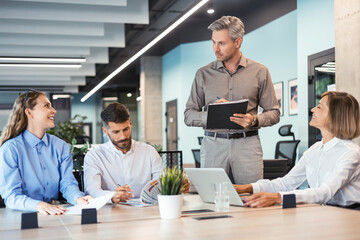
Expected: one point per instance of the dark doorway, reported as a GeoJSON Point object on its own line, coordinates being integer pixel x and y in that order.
{"type": "Point", "coordinates": [62, 104]}
{"type": "Point", "coordinates": [321, 70]}
{"type": "Point", "coordinates": [171, 126]}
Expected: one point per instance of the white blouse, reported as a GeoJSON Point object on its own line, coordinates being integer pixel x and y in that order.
{"type": "Point", "coordinates": [331, 169]}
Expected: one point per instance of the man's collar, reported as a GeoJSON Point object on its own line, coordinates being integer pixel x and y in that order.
{"type": "Point", "coordinates": [32, 140]}
{"type": "Point", "coordinates": [242, 63]}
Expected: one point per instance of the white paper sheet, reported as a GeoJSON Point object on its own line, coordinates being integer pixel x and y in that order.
{"type": "Point", "coordinates": [97, 203]}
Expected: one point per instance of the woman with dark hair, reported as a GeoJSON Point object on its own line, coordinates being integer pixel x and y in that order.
{"type": "Point", "coordinates": [331, 166]}
{"type": "Point", "coordinates": [34, 165]}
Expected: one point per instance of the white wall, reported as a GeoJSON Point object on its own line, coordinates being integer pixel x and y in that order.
{"type": "Point", "coordinates": [90, 109]}
{"type": "Point", "coordinates": [315, 33]}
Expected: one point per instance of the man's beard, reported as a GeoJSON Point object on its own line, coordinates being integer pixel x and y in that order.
{"type": "Point", "coordinates": [122, 144]}
{"type": "Point", "coordinates": [224, 58]}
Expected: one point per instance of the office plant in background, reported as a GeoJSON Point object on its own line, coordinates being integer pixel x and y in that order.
{"type": "Point", "coordinates": [170, 199]}
{"type": "Point", "coordinates": [68, 131]}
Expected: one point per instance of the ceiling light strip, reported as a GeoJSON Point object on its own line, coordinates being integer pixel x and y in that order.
{"type": "Point", "coordinates": [40, 65]}
{"type": "Point", "coordinates": [144, 49]}
{"type": "Point", "coordinates": [42, 59]}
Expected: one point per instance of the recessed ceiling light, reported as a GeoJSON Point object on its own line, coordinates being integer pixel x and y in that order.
{"type": "Point", "coordinates": [129, 94]}
{"type": "Point", "coordinates": [210, 9]}
{"type": "Point", "coordinates": [109, 98]}
{"type": "Point", "coordinates": [57, 96]}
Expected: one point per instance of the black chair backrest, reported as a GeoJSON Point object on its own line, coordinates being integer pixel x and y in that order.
{"type": "Point", "coordinates": [83, 139]}
{"type": "Point", "coordinates": [274, 168]}
{"type": "Point", "coordinates": [285, 130]}
{"type": "Point", "coordinates": [287, 149]}
{"type": "Point", "coordinates": [172, 158]}
{"type": "Point", "coordinates": [79, 176]}
{"type": "Point", "coordinates": [2, 202]}
{"type": "Point", "coordinates": [196, 153]}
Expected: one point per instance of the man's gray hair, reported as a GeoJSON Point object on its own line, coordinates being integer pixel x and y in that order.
{"type": "Point", "coordinates": [233, 24]}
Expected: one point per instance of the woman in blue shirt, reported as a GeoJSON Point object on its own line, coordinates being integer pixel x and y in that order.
{"type": "Point", "coordinates": [34, 165]}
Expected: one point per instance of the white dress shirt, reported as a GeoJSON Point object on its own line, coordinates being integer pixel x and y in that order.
{"type": "Point", "coordinates": [331, 169]}
{"type": "Point", "coordinates": [106, 167]}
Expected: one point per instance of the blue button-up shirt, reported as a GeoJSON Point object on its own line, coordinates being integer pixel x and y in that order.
{"type": "Point", "coordinates": [34, 170]}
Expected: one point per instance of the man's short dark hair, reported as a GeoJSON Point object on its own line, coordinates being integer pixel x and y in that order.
{"type": "Point", "coordinates": [115, 112]}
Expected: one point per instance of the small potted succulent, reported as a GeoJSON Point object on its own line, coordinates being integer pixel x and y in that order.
{"type": "Point", "coordinates": [171, 187]}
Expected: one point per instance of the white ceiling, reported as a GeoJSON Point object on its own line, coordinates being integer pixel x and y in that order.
{"type": "Point", "coordinates": [95, 30]}
{"type": "Point", "coordinates": [63, 28]}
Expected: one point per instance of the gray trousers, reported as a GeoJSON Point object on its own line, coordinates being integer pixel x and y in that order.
{"type": "Point", "coordinates": [243, 156]}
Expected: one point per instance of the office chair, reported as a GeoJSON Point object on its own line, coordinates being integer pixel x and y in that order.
{"type": "Point", "coordinates": [287, 149]}
{"type": "Point", "coordinates": [274, 168]}
{"type": "Point", "coordinates": [200, 140]}
{"type": "Point", "coordinates": [2, 202]}
{"type": "Point", "coordinates": [196, 154]}
{"type": "Point", "coordinates": [79, 176]}
{"type": "Point", "coordinates": [83, 139]}
{"type": "Point", "coordinates": [172, 158]}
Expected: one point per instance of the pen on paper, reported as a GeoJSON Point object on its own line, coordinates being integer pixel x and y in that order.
{"type": "Point", "coordinates": [120, 186]}
{"type": "Point", "coordinates": [125, 185]}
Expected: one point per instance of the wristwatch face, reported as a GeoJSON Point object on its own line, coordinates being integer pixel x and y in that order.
{"type": "Point", "coordinates": [254, 121]}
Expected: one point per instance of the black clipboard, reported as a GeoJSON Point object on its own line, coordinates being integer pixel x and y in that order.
{"type": "Point", "coordinates": [219, 114]}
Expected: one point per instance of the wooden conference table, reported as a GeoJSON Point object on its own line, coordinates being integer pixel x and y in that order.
{"type": "Point", "coordinates": [127, 222]}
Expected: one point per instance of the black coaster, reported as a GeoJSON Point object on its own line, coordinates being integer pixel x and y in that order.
{"type": "Point", "coordinates": [88, 216]}
{"type": "Point", "coordinates": [289, 201]}
{"type": "Point", "coordinates": [197, 211]}
{"type": "Point", "coordinates": [29, 220]}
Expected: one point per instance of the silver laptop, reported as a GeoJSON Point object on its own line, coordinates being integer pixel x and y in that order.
{"type": "Point", "coordinates": [204, 179]}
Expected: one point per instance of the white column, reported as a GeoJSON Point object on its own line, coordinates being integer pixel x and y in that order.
{"type": "Point", "coordinates": [151, 100]}
{"type": "Point", "coordinates": [347, 47]}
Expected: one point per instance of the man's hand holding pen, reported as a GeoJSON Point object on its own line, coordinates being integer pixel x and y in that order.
{"type": "Point", "coordinates": [220, 100]}
{"type": "Point", "coordinates": [122, 194]}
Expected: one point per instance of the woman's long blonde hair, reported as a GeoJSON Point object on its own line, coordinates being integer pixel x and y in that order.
{"type": "Point", "coordinates": [18, 121]}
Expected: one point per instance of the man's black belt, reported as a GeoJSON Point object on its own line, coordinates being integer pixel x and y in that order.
{"type": "Point", "coordinates": [232, 135]}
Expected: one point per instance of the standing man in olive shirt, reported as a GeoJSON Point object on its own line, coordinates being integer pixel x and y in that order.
{"type": "Point", "coordinates": [233, 77]}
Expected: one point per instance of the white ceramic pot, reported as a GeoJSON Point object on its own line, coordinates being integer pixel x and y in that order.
{"type": "Point", "coordinates": [170, 206]}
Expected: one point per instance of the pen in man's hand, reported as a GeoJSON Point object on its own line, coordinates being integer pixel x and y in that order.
{"type": "Point", "coordinates": [126, 186]}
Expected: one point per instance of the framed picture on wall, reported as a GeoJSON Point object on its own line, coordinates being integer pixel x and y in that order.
{"type": "Point", "coordinates": [293, 97]}
{"type": "Point", "coordinates": [279, 96]}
